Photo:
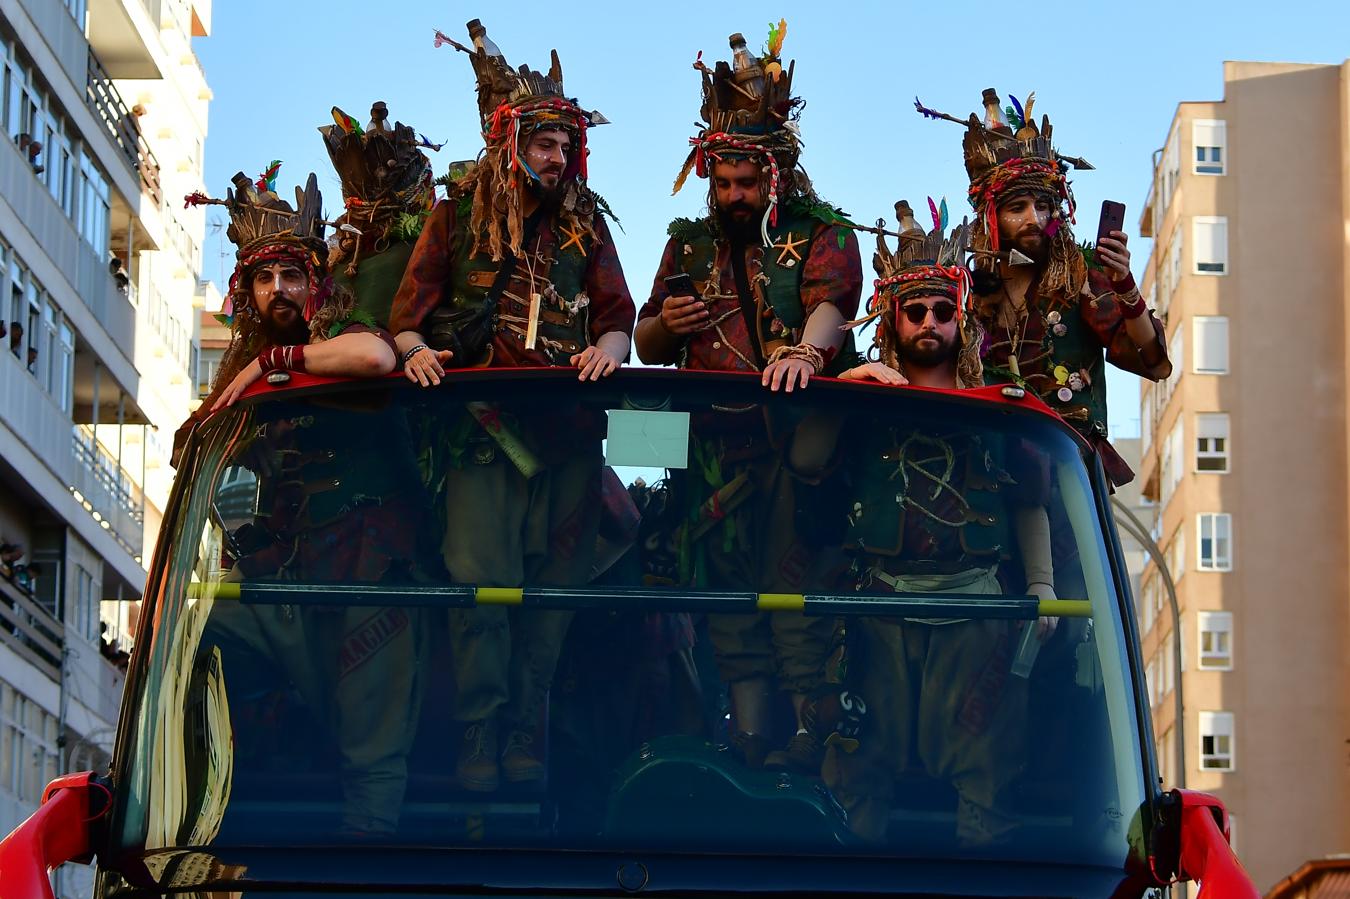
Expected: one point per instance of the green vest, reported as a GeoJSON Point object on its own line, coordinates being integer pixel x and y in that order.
{"type": "Point", "coordinates": [376, 282]}
{"type": "Point", "coordinates": [878, 510]}
{"type": "Point", "coordinates": [782, 289]}
{"type": "Point", "coordinates": [466, 322]}
{"type": "Point", "coordinates": [1076, 349]}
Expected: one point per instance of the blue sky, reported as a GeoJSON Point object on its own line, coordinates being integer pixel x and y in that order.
{"type": "Point", "coordinates": [1108, 75]}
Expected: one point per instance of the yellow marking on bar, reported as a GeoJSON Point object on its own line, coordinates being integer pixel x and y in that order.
{"type": "Point", "coordinates": [781, 602]}
{"type": "Point", "coordinates": [218, 590]}
{"type": "Point", "coordinates": [499, 596]}
{"type": "Point", "coordinates": [1065, 608]}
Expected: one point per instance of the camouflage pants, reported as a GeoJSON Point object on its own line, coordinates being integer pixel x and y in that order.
{"type": "Point", "coordinates": [505, 530]}
{"type": "Point", "coordinates": [357, 669]}
{"type": "Point", "coordinates": [939, 698]}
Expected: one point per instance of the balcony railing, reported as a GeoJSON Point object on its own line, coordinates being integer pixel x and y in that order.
{"type": "Point", "coordinates": [30, 630]}
{"type": "Point", "coordinates": [121, 127]}
{"type": "Point", "coordinates": [107, 491]}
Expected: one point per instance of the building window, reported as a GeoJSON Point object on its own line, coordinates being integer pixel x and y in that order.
{"type": "Point", "coordinates": [1210, 138]}
{"type": "Point", "coordinates": [1209, 345]}
{"type": "Point", "coordinates": [28, 756]}
{"type": "Point", "coordinates": [1171, 169]}
{"type": "Point", "coordinates": [1216, 641]}
{"type": "Point", "coordinates": [1146, 604]}
{"type": "Point", "coordinates": [1210, 233]}
{"type": "Point", "coordinates": [1173, 453]}
{"type": "Point", "coordinates": [1176, 555]}
{"type": "Point", "coordinates": [1215, 552]}
{"type": "Point", "coordinates": [86, 605]}
{"type": "Point", "coordinates": [1211, 442]}
{"type": "Point", "coordinates": [1216, 741]}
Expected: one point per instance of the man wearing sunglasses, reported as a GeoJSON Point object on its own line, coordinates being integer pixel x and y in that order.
{"type": "Point", "coordinates": [936, 508]}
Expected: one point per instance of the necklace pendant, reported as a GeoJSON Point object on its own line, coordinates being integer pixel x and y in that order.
{"type": "Point", "coordinates": [1014, 367]}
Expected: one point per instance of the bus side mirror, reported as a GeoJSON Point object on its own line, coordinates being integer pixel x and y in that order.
{"type": "Point", "coordinates": [1205, 855]}
{"type": "Point", "coordinates": [61, 830]}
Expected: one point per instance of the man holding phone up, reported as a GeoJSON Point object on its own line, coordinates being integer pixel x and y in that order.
{"type": "Point", "coordinates": [1054, 312]}
{"type": "Point", "coordinates": [762, 283]}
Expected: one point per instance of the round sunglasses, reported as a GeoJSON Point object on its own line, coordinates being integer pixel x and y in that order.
{"type": "Point", "coordinates": [943, 312]}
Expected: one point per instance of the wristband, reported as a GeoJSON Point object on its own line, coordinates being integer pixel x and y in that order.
{"type": "Point", "coordinates": [290, 358]}
{"type": "Point", "coordinates": [1131, 304]}
{"type": "Point", "coordinates": [413, 352]}
{"type": "Point", "coordinates": [803, 351]}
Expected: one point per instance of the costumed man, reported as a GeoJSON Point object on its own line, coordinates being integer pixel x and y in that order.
{"type": "Point", "coordinates": [1053, 310]}
{"type": "Point", "coordinates": [336, 490]}
{"type": "Point", "coordinates": [388, 192]}
{"type": "Point", "coordinates": [775, 272]}
{"type": "Point", "coordinates": [936, 510]}
{"type": "Point", "coordinates": [515, 268]}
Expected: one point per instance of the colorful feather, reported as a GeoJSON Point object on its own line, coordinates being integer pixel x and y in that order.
{"type": "Point", "coordinates": [422, 141]}
{"type": "Point", "coordinates": [1031, 101]}
{"type": "Point", "coordinates": [776, 35]}
{"type": "Point", "coordinates": [943, 210]}
{"type": "Point", "coordinates": [1017, 106]}
{"type": "Point", "coordinates": [268, 179]}
{"type": "Point", "coordinates": [937, 217]}
{"type": "Point", "coordinates": [1013, 121]}
{"type": "Point", "coordinates": [346, 122]}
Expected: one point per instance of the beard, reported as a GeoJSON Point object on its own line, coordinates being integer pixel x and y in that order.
{"type": "Point", "coordinates": [550, 198]}
{"type": "Point", "coordinates": [740, 222]}
{"type": "Point", "coordinates": [283, 324]}
{"type": "Point", "coordinates": [927, 349]}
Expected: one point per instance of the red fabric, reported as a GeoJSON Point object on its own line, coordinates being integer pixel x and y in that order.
{"type": "Point", "coordinates": [430, 269]}
{"type": "Point", "coordinates": [830, 274]}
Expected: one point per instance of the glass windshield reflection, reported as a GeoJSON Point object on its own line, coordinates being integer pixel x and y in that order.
{"type": "Point", "coordinates": [525, 618]}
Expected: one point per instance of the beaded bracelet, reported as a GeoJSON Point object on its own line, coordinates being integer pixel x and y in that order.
{"type": "Point", "coordinates": [413, 352]}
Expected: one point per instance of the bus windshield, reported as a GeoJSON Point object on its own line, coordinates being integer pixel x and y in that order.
{"type": "Point", "coordinates": [660, 612]}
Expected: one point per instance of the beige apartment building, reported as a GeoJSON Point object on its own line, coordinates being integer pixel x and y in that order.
{"type": "Point", "coordinates": [1245, 454]}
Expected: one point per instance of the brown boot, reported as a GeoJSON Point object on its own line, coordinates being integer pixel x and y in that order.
{"type": "Point", "coordinates": [476, 766]}
{"type": "Point", "coordinates": [803, 754]}
{"type": "Point", "coordinates": [519, 762]}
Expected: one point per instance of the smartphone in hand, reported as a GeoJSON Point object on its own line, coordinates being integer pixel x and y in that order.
{"type": "Point", "coordinates": [680, 285]}
{"type": "Point", "coordinates": [1113, 219]}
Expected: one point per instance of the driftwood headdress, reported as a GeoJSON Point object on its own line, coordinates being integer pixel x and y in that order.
{"type": "Point", "coordinates": [265, 228]}
{"type": "Point", "coordinates": [923, 264]}
{"type": "Point", "coordinates": [749, 113]}
{"type": "Point", "coordinates": [387, 186]}
{"type": "Point", "coordinates": [1008, 155]}
{"type": "Point", "coordinates": [513, 104]}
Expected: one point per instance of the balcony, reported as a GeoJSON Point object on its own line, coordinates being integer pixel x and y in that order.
{"type": "Point", "coordinates": [125, 35]}
{"type": "Point", "coordinates": [103, 98]}
{"type": "Point", "coordinates": [106, 490]}
{"type": "Point", "coordinates": [30, 630]}
{"type": "Point", "coordinates": [34, 418]}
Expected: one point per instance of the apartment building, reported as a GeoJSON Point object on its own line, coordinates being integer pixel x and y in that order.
{"type": "Point", "coordinates": [1245, 457]}
{"type": "Point", "coordinates": [104, 110]}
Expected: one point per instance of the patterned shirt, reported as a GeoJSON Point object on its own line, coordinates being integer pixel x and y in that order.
{"type": "Point", "coordinates": [429, 270]}
{"type": "Point", "coordinates": [830, 274]}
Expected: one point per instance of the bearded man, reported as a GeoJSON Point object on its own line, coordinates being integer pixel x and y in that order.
{"type": "Point", "coordinates": [771, 272]}
{"type": "Point", "coordinates": [939, 693]}
{"type": "Point", "coordinates": [342, 479]}
{"type": "Point", "coordinates": [1054, 312]}
{"type": "Point", "coordinates": [516, 268]}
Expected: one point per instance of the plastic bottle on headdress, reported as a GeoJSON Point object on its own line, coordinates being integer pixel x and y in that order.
{"type": "Point", "coordinates": [379, 115]}
{"type": "Point", "coordinates": [993, 114]}
{"type": "Point", "coordinates": [905, 216]}
{"type": "Point", "coordinates": [478, 34]}
{"type": "Point", "coordinates": [748, 73]}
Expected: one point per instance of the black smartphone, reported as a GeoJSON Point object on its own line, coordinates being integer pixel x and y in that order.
{"type": "Point", "coordinates": [1113, 219]}
{"type": "Point", "coordinates": [680, 285]}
